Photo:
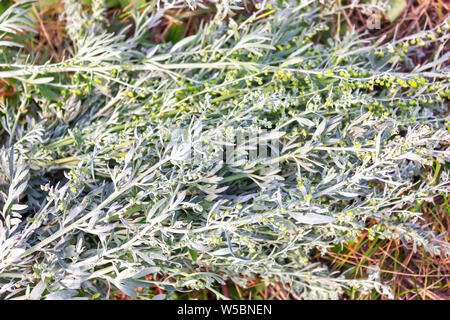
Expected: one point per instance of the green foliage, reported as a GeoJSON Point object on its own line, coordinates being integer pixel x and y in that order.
{"type": "Point", "coordinates": [395, 8]}
{"type": "Point", "coordinates": [97, 192]}
{"type": "Point", "coordinates": [175, 33]}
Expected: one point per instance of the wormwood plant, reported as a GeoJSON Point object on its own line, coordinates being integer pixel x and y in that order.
{"type": "Point", "coordinates": [96, 193]}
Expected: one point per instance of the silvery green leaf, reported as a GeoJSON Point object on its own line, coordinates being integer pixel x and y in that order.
{"type": "Point", "coordinates": [15, 221]}
{"type": "Point", "coordinates": [179, 199]}
{"type": "Point", "coordinates": [311, 218]}
{"type": "Point", "coordinates": [348, 194]}
{"type": "Point", "coordinates": [157, 256]}
{"type": "Point", "coordinates": [125, 288]}
{"type": "Point", "coordinates": [125, 223]}
{"type": "Point", "coordinates": [61, 295]}
{"type": "Point", "coordinates": [144, 257]}
{"type": "Point", "coordinates": [183, 42]}
{"type": "Point", "coordinates": [286, 224]}
{"type": "Point", "coordinates": [75, 212]}
{"type": "Point", "coordinates": [220, 252]}
{"type": "Point", "coordinates": [37, 291]}
{"type": "Point", "coordinates": [11, 163]}
{"type": "Point", "coordinates": [198, 246]}
{"type": "Point", "coordinates": [211, 197]}
{"type": "Point", "coordinates": [19, 207]}
{"type": "Point", "coordinates": [146, 271]}
{"type": "Point", "coordinates": [273, 135]}
{"type": "Point", "coordinates": [101, 229]}
{"type": "Point", "coordinates": [15, 253]}
{"type": "Point", "coordinates": [10, 44]}
{"type": "Point", "coordinates": [40, 80]}
{"type": "Point", "coordinates": [151, 51]}
{"type": "Point", "coordinates": [304, 121]}
{"type": "Point", "coordinates": [292, 61]}
{"type": "Point", "coordinates": [320, 129]}
{"type": "Point", "coordinates": [410, 156]}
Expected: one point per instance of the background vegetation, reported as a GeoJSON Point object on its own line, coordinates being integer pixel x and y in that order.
{"type": "Point", "coordinates": [61, 75]}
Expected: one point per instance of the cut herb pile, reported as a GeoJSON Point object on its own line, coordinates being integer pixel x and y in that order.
{"type": "Point", "coordinates": [97, 192]}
